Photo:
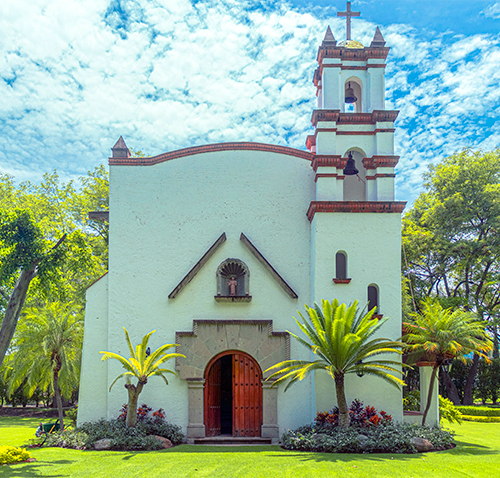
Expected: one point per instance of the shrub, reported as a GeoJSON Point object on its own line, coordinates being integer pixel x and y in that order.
{"type": "Point", "coordinates": [475, 418]}
{"type": "Point", "coordinates": [479, 411]}
{"type": "Point", "coordinates": [127, 438]}
{"type": "Point", "coordinates": [412, 401]}
{"type": "Point", "coordinates": [448, 411]}
{"type": "Point", "coordinates": [72, 414]}
{"type": "Point", "coordinates": [388, 437]}
{"type": "Point", "coordinates": [69, 438]}
{"type": "Point", "coordinates": [11, 454]}
{"type": "Point", "coordinates": [360, 415]}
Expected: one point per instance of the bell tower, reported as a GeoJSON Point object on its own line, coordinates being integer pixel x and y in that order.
{"type": "Point", "coordinates": [355, 221]}
{"type": "Point", "coordinates": [351, 120]}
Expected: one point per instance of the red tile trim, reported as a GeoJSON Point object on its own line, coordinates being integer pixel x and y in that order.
{"type": "Point", "coordinates": [355, 206]}
{"type": "Point", "coordinates": [342, 281]}
{"type": "Point", "coordinates": [332, 161]}
{"type": "Point", "coordinates": [356, 118]}
{"type": "Point", "coordinates": [210, 148]}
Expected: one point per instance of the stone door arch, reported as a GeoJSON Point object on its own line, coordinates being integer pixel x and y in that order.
{"type": "Point", "coordinates": [211, 338]}
{"type": "Point", "coordinates": [233, 395]}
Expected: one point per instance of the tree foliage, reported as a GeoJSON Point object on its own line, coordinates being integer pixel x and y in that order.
{"type": "Point", "coordinates": [443, 334]}
{"type": "Point", "coordinates": [47, 351]}
{"type": "Point", "coordinates": [141, 365]}
{"type": "Point", "coordinates": [451, 239]}
{"type": "Point", "coordinates": [47, 243]}
{"type": "Point", "coordinates": [343, 340]}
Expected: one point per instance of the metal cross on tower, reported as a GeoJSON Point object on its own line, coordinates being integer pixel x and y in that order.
{"type": "Point", "coordinates": [348, 14]}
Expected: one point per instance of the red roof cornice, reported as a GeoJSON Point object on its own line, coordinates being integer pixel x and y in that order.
{"type": "Point", "coordinates": [355, 206]}
{"type": "Point", "coordinates": [211, 148]}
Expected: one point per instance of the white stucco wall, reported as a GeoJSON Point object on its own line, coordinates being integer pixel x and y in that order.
{"type": "Point", "coordinates": [93, 394]}
{"type": "Point", "coordinates": [372, 244]}
{"type": "Point", "coordinates": [163, 218]}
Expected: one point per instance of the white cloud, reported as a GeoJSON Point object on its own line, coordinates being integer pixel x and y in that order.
{"type": "Point", "coordinates": [75, 76]}
{"type": "Point", "coordinates": [492, 11]}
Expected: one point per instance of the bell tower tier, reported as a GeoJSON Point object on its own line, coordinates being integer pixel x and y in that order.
{"type": "Point", "coordinates": [355, 221]}
{"type": "Point", "coordinates": [354, 133]}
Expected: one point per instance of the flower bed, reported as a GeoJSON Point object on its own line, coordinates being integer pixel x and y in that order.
{"type": "Point", "coordinates": [144, 436]}
{"type": "Point", "coordinates": [370, 432]}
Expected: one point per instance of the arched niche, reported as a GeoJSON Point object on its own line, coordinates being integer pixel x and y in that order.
{"type": "Point", "coordinates": [233, 281]}
{"type": "Point", "coordinates": [355, 186]}
{"type": "Point", "coordinates": [357, 86]}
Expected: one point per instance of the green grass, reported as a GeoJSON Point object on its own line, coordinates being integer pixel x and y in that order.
{"type": "Point", "coordinates": [477, 455]}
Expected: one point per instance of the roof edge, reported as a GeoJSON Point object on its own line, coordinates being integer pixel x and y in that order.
{"type": "Point", "coordinates": [211, 148]}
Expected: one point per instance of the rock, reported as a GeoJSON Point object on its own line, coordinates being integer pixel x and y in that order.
{"type": "Point", "coordinates": [362, 441]}
{"type": "Point", "coordinates": [421, 444]}
{"type": "Point", "coordinates": [103, 444]}
{"type": "Point", "coordinates": [165, 442]}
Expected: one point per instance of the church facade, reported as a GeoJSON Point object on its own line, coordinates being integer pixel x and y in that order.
{"type": "Point", "coordinates": [216, 248]}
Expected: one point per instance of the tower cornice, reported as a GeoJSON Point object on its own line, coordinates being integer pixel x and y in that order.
{"type": "Point", "coordinates": [374, 117]}
{"type": "Point", "coordinates": [352, 54]}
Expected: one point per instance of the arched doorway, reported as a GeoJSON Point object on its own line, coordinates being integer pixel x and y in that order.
{"type": "Point", "coordinates": [233, 395]}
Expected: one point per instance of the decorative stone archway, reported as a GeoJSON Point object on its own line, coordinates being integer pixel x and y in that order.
{"type": "Point", "coordinates": [212, 337]}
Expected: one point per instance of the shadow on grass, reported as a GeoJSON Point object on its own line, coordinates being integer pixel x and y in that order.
{"type": "Point", "coordinates": [465, 448]}
{"type": "Point", "coordinates": [28, 470]}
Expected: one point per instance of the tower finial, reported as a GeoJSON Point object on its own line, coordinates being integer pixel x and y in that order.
{"type": "Point", "coordinates": [120, 149]}
{"type": "Point", "coordinates": [378, 40]}
{"type": "Point", "coordinates": [329, 39]}
{"type": "Point", "coordinates": [348, 14]}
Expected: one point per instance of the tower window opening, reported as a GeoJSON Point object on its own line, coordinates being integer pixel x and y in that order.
{"type": "Point", "coordinates": [352, 97]}
{"type": "Point", "coordinates": [373, 298]}
{"type": "Point", "coordinates": [341, 265]}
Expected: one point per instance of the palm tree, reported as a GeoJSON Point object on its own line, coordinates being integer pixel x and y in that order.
{"type": "Point", "coordinates": [443, 334]}
{"type": "Point", "coordinates": [343, 340]}
{"type": "Point", "coordinates": [47, 351]}
{"type": "Point", "coordinates": [141, 365]}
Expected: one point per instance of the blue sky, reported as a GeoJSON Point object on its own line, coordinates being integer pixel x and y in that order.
{"type": "Point", "coordinates": [168, 74]}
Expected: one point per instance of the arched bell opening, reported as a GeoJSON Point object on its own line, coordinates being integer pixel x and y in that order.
{"type": "Point", "coordinates": [353, 94]}
{"type": "Point", "coordinates": [354, 176]}
{"type": "Point", "coordinates": [233, 395]}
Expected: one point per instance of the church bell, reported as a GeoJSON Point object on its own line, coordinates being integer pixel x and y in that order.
{"type": "Point", "coordinates": [350, 167]}
{"type": "Point", "coordinates": [350, 97]}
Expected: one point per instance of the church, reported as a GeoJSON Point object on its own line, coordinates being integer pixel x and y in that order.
{"type": "Point", "coordinates": [216, 247]}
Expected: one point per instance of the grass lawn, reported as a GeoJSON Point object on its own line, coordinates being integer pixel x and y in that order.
{"type": "Point", "coordinates": [477, 455]}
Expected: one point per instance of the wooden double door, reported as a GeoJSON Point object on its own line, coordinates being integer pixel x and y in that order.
{"type": "Point", "coordinates": [233, 396]}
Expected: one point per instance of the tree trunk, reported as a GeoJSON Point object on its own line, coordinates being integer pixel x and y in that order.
{"type": "Point", "coordinates": [344, 419]}
{"type": "Point", "coordinates": [451, 389]}
{"type": "Point", "coordinates": [14, 307]}
{"type": "Point", "coordinates": [469, 384]}
{"type": "Point", "coordinates": [133, 398]}
{"type": "Point", "coordinates": [57, 394]}
{"type": "Point", "coordinates": [430, 393]}
{"type": "Point", "coordinates": [495, 342]}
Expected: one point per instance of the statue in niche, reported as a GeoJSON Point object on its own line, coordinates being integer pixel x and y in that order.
{"type": "Point", "coordinates": [232, 284]}
{"type": "Point", "coordinates": [232, 279]}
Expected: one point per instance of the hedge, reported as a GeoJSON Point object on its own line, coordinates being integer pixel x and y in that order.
{"type": "Point", "coordinates": [475, 418]}
{"type": "Point", "coordinates": [479, 411]}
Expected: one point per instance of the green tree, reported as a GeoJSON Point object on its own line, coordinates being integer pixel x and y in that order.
{"type": "Point", "coordinates": [141, 366]}
{"type": "Point", "coordinates": [23, 251]}
{"type": "Point", "coordinates": [451, 239]}
{"type": "Point", "coordinates": [48, 244]}
{"type": "Point", "coordinates": [443, 334]}
{"type": "Point", "coordinates": [48, 351]}
{"type": "Point", "coordinates": [342, 339]}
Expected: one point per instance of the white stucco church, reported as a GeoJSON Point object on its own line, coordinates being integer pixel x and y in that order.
{"type": "Point", "coordinates": [217, 247]}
